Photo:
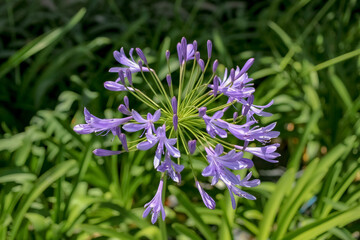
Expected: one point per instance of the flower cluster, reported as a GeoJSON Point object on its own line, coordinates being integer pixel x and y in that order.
{"type": "Point", "coordinates": [196, 113]}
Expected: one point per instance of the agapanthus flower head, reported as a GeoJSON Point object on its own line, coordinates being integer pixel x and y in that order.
{"type": "Point", "coordinates": [192, 109]}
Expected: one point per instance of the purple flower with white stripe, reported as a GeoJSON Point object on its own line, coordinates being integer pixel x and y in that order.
{"type": "Point", "coordinates": [155, 206]}
{"type": "Point", "coordinates": [208, 201]}
{"type": "Point", "coordinates": [147, 125]}
{"type": "Point", "coordinates": [214, 125]}
{"type": "Point", "coordinates": [261, 134]}
{"type": "Point", "coordinates": [218, 165]}
{"type": "Point", "coordinates": [240, 193]}
{"type": "Point", "coordinates": [101, 126]}
{"type": "Point", "coordinates": [172, 169]}
{"type": "Point", "coordinates": [164, 144]}
{"type": "Point", "coordinates": [131, 64]}
{"type": "Point", "coordinates": [104, 153]}
{"type": "Point", "coordinates": [266, 152]}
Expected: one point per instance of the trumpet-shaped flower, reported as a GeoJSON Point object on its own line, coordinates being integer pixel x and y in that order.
{"type": "Point", "coordinates": [101, 126]}
{"type": "Point", "coordinates": [131, 64]}
{"type": "Point", "coordinates": [172, 169]}
{"type": "Point", "coordinates": [146, 124]}
{"type": "Point", "coordinates": [218, 165]}
{"type": "Point", "coordinates": [164, 143]}
{"type": "Point", "coordinates": [155, 206]}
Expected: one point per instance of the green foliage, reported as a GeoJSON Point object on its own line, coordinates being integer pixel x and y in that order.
{"type": "Point", "coordinates": [54, 58]}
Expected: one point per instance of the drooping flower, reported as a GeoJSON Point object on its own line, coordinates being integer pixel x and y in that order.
{"type": "Point", "coordinates": [147, 125]}
{"type": "Point", "coordinates": [172, 169]}
{"type": "Point", "coordinates": [208, 201]}
{"type": "Point", "coordinates": [155, 206]}
{"type": "Point", "coordinates": [243, 183]}
{"type": "Point", "coordinates": [164, 143]}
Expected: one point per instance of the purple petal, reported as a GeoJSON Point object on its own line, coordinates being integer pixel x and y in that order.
{"type": "Point", "coordinates": [104, 152]}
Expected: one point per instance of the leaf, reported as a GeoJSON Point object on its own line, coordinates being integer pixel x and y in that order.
{"type": "Point", "coordinates": [318, 227]}
{"type": "Point", "coordinates": [39, 44]}
{"type": "Point", "coordinates": [107, 232]}
{"type": "Point", "coordinates": [41, 184]}
{"type": "Point", "coordinates": [182, 229]}
{"type": "Point", "coordinates": [273, 204]}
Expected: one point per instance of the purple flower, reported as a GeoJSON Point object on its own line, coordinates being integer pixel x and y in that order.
{"type": "Point", "coordinates": [125, 109]}
{"type": "Point", "coordinates": [104, 152]}
{"type": "Point", "coordinates": [123, 141]}
{"type": "Point", "coordinates": [266, 152]}
{"type": "Point", "coordinates": [185, 51]}
{"type": "Point", "coordinates": [235, 87]}
{"type": "Point", "coordinates": [167, 54]}
{"type": "Point", "coordinates": [174, 104]}
{"type": "Point", "coordinates": [168, 79]}
{"type": "Point", "coordinates": [215, 65]}
{"type": "Point", "coordinates": [147, 125]}
{"type": "Point", "coordinates": [175, 121]}
{"type": "Point", "coordinates": [155, 205]}
{"type": "Point", "coordinates": [172, 169]}
{"type": "Point", "coordinates": [244, 183]}
{"type": "Point", "coordinates": [209, 48]}
{"type": "Point", "coordinates": [192, 146]}
{"type": "Point", "coordinates": [250, 109]}
{"type": "Point", "coordinates": [208, 201]}
{"type": "Point", "coordinates": [102, 126]}
{"type": "Point", "coordinates": [261, 134]}
{"type": "Point", "coordinates": [131, 64]}
{"type": "Point", "coordinates": [163, 141]}
{"type": "Point", "coordinates": [218, 165]}
{"type": "Point", "coordinates": [214, 124]}
{"type": "Point", "coordinates": [141, 55]}
{"type": "Point", "coordinates": [246, 67]}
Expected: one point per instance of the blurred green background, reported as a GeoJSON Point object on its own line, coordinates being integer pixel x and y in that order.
{"type": "Point", "coordinates": [54, 58]}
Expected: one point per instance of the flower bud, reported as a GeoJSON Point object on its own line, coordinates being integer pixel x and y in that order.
{"type": "Point", "coordinates": [202, 111]}
{"type": "Point", "coordinates": [103, 152]}
{"type": "Point", "coordinates": [122, 78]}
{"type": "Point", "coordinates": [124, 110]}
{"type": "Point", "coordinates": [167, 54]}
{"type": "Point", "coordinates": [235, 115]}
{"type": "Point", "coordinates": [123, 141]}
{"type": "Point", "coordinates": [202, 65]}
{"type": "Point", "coordinates": [168, 79]}
{"type": "Point", "coordinates": [209, 48]}
{"type": "Point", "coordinates": [141, 55]}
{"type": "Point", "coordinates": [192, 146]}
{"type": "Point", "coordinates": [140, 65]}
{"type": "Point", "coordinates": [216, 85]}
{"type": "Point", "coordinates": [126, 101]}
{"type": "Point", "coordinates": [178, 48]}
{"type": "Point", "coordinates": [175, 121]}
{"type": "Point", "coordinates": [197, 56]}
{"type": "Point", "coordinates": [174, 105]}
{"type": "Point", "coordinates": [246, 67]}
{"type": "Point", "coordinates": [184, 48]}
{"type": "Point", "coordinates": [128, 75]}
{"type": "Point", "coordinates": [195, 45]}
{"type": "Point", "coordinates": [215, 65]}
{"type": "Point", "coordinates": [232, 75]}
